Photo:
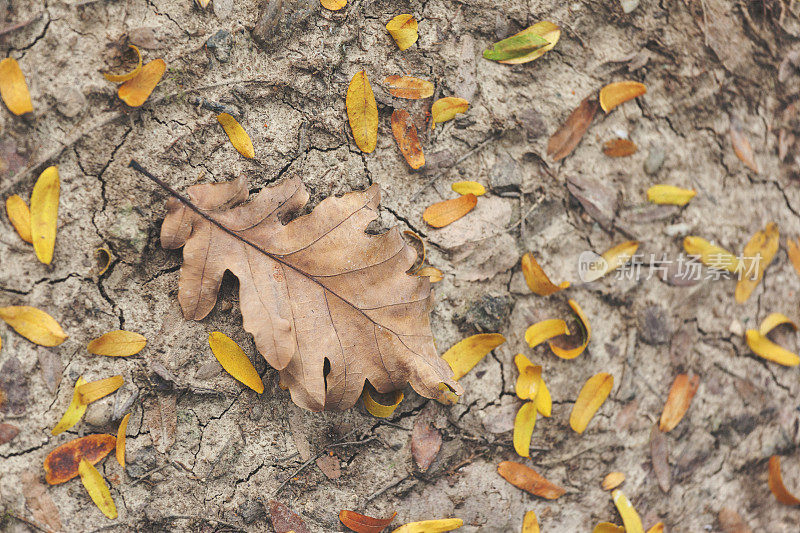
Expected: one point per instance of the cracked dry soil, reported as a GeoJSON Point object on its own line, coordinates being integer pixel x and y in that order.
{"type": "Point", "coordinates": [206, 454]}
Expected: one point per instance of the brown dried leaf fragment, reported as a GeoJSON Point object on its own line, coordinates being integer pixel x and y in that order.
{"type": "Point", "coordinates": [362, 523]}
{"type": "Point", "coordinates": [731, 522]}
{"type": "Point", "coordinates": [775, 482]}
{"type": "Point", "coordinates": [659, 454]}
{"type": "Point", "coordinates": [529, 480]}
{"type": "Point", "coordinates": [284, 520]}
{"type": "Point", "coordinates": [408, 87]}
{"type": "Point", "coordinates": [405, 133]}
{"type": "Point", "coordinates": [619, 148]}
{"type": "Point", "coordinates": [741, 145]}
{"type": "Point", "coordinates": [425, 443]}
{"type": "Point", "coordinates": [7, 432]}
{"type": "Point", "coordinates": [39, 501]}
{"type": "Point", "coordinates": [61, 464]}
{"type": "Point", "coordinates": [680, 397]}
{"type": "Point", "coordinates": [567, 137]}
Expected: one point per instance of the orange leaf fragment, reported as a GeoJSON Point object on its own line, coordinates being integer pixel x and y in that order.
{"type": "Point", "coordinates": [120, 447]}
{"type": "Point", "coordinates": [793, 251]}
{"type": "Point", "coordinates": [741, 146]}
{"type": "Point", "coordinates": [620, 92]}
{"type": "Point", "coordinates": [567, 137]}
{"type": "Point", "coordinates": [405, 133]}
{"type": "Point", "coordinates": [94, 390]}
{"type": "Point", "coordinates": [136, 91]}
{"type": "Point", "coordinates": [61, 464]}
{"type": "Point", "coordinates": [758, 253]}
{"type": "Point", "coordinates": [529, 480]}
{"type": "Point", "coordinates": [13, 88]}
{"type": "Point", "coordinates": [537, 280]}
{"type": "Point", "coordinates": [361, 523]}
{"type": "Point", "coordinates": [362, 112]}
{"type": "Point", "coordinates": [775, 482]}
{"type": "Point", "coordinates": [680, 397]}
{"type": "Point", "coordinates": [608, 527]}
{"type": "Point", "coordinates": [619, 148]}
{"type": "Point", "coordinates": [408, 87]}
{"type": "Point", "coordinates": [593, 393]}
{"type": "Point", "coordinates": [443, 213]}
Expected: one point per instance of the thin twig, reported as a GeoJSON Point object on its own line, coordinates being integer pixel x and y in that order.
{"type": "Point", "coordinates": [387, 487]}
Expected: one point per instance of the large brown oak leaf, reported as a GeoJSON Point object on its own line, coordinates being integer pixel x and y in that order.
{"type": "Point", "coordinates": [317, 288]}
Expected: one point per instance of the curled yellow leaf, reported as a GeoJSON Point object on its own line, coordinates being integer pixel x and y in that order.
{"type": "Point", "coordinates": [544, 330]}
{"type": "Point", "coordinates": [44, 214]}
{"type": "Point", "coordinates": [617, 93]}
{"type": "Point", "coordinates": [770, 351]}
{"type": "Point", "coordinates": [431, 526]}
{"type": "Point", "coordinates": [137, 90]}
{"type": "Point", "coordinates": [466, 353]}
{"type": "Point", "coordinates": [333, 5]}
{"type": "Point", "coordinates": [105, 260]}
{"type": "Point", "coordinates": [758, 253]}
{"type": "Point", "coordinates": [775, 482]}
{"type": "Point", "coordinates": [432, 273]}
{"type": "Point", "coordinates": [117, 343]}
{"type": "Point", "coordinates": [238, 137]}
{"type": "Point", "coordinates": [234, 360]}
{"type": "Point", "coordinates": [97, 488]}
{"type": "Point", "coordinates": [468, 187]}
{"type": "Point", "coordinates": [94, 390]}
{"type": "Point", "coordinates": [119, 78]}
{"type": "Point", "coordinates": [537, 280]}
{"type": "Point", "coordinates": [20, 217]}
{"type": "Point", "coordinates": [74, 412]}
{"type": "Point", "coordinates": [610, 260]}
{"type": "Point", "coordinates": [33, 324]}
{"type": "Point", "coordinates": [380, 410]}
{"type": "Point", "coordinates": [670, 195]}
{"type": "Point", "coordinates": [447, 108]}
{"type": "Point", "coordinates": [612, 480]}
{"type": "Point", "coordinates": [362, 112]}
{"type": "Point", "coordinates": [548, 31]}
{"type": "Point", "coordinates": [403, 29]}
{"type": "Point", "coordinates": [13, 88]}
{"type": "Point", "coordinates": [710, 255]}
{"type": "Point", "coordinates": [524, 423]}
{"type": "Point", "coordinates": [630, 518]}
{"type": "Point", "coordinates": [608, 527]}
{"type": "Point", "coordinates": [120, 451]}
{"type": "Point", "coordinates": [586, 334]}
{"type": "Point", "coordinates": [592, 395]}
{"type": "Point", "coordinates": [774, 320]}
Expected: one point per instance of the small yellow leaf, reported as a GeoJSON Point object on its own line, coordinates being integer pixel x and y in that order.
{"type": "Point", "coordinates": [530, 376]}
{"type": "Point", "coordinates": [608, 527]}
{"type": "Point", "coordinates": [431, 526]}
{"type": "Point", "coordinates": [710, 254]}
{"type": "Point", "coordinates": [770, 351]}
{"type": "Point", "coordinates": [630, 518]}
{"type": "Point", "coordinates": [74, 412]}
{"type": "Point", "coordinates": [136, 91]}
{"type": "Point", "coordinates": [447, 108]}
{"type": "Point", "coordinates": [119, 78]}
{"type": "Point", "coordinates": [446, 212]}
{"type": "Point", "coordinates": [544, 330]}
{"type": "Point", "coordinates": [544, 403]}
{"type": "Point", "coordinates": [466, 353]}
{"type": "Point", "coordinates": [118, 343]}
{"type": "Point", "coordinates": [669, 195]}
{"type": "Point", "coordinates": [617, 93]}
{"type": "Point", "coordinates": [94, 390]}
{"type": "Point", "coordinates": [773, 321]}
{"type": "Point", "coordinates": [123, 427]}
{"type": "Point", "coordinates": [362, 112]}
{"type": "Point", "coordinates": [380, 410]}
{"type": "Point", "coordinates": [592, 395]}
{"type": "Point", "coordinates": [44, 213]}
{"type": "Point", "coordinates": [586, 331]}
{"type": "Point", "coordinates": [548, 31]}
{"type": "Point", "coordinates": [758, 253]}
{"type": "Point", "coordinates": [530, 524]}
{"type": "Point", "coordinates": [432, 273]}
{"type": "Point", "coordinates": [238, 137]}
{"type": "Point", "coordinates": [403, 29]}
{"type": "Point", "coordinates": [468, 187]}
{"type": "Point", "coordinates": [523, 428]}
{"type": "Point", "coordinates": [97, 488]}
{"type": "Point", "coordinates": [658, 528]}
{"type": "Point", "coordinates": [613, 480]}
{"type": "Point", "coordinates": [33, 324]}
{"type": "Point", "coordinates": [610, 260]}
{"type": "Point", "coordinates": [20, 217]}
{"type": "Point", "coordinates": [13, 88]}
{"type": "Point", "coordinates": [537, 280]}
{"type": "Point", "coordinates": [234, 360]}
{"type": "Point", "coordinates": [333, 5]}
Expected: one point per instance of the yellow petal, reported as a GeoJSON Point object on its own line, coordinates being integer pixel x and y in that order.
{"type": "Point", "coordinates": [333, 5]}
{"type": "Point", "coordinates": [119, 78]}
{"type": "Point", "coordinates": [136, 91]}
{"type": "Point", "coordinates": [669, 195]}
{"type": "Point", "coordinates": [468, 187]}
{"type": "Point", "coordinates": [20, 217]}
{"type": "Point", "coordinates": [773, 321]}
{"type": "Point", "coordinates": [466, 353]}
{"type": "Point", "coordinates": [447, 108]}
{"type": "Point", "coordinates": [658, 528]}
{"type": "Point", "coordinates": [592, 395]}
{"type": "Point", "coordinates": [537, 280]}
{"type": "Point", "coordinates": [97, 488]}
{"type": "Point", "coordinates": [524, 423]}
{"type": "Point", "coordinates": [548, 31]}
{"type": "Point", "coordinates": [73, 413]}
{"type": "Point", "coordinates": [544, 330]}
{"type": "Point", "coordinates": [234, 360]}
{"type": "Point", "coordinates": [33, 324]}
{"type": "Point", "coordinates": [13, 88]}
{"type": "Point", "coordinates": [610, 260]}
{"type": "Point", "coordinates": [431, 526]}
{"type": "Point", "coordinates": [608, 527]}
{"type": "Point", "coordinates": [758, 253]}
{"type": "Point", "coordinates": [44, 214]}
{"type": "Point", "coordinates": [710, 255]}
{"type": "Point", "coordinates": [403, 29]}
{"type": "Point", "coordinates": [432, 273]}
{"type": "Point", "coordinates": [94, 390]}
{"type": "Point", "coordinates": [239, 138]}
{"type": "Point", "coordinates": [123, 427]}
{"type": "Point", "coordinates": [617, 93]}
{"type": "Point", "coordinates": [530, 376]}
{"type": "Point", "coordinates": [362, 112]}
{"type": "Point", "coordinates": [767, 349]}
{"type": "Point", "coordinates": [630, 518]}
{"type": "Point", "coordinates": [380, 410]}
{"type": "Point", "coordinates": [572, 353]}
{"type": "Point", "coordinates": [117, 343]}
{"type": "Point", "coordinates": [544, 403]}
{"type": "Point", "coordinates": [613, 480]}
{"type": "Point", "coordinates": [530, 524]}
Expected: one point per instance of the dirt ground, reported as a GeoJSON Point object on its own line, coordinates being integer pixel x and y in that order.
{"type": "Point", "coordinates": [207, 454]}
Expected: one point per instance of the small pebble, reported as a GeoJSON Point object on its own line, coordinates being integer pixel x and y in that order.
{"type": "Point", "coordinates": [628, 5]}
{"type": "Point", "coordinates": [736, 327]}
